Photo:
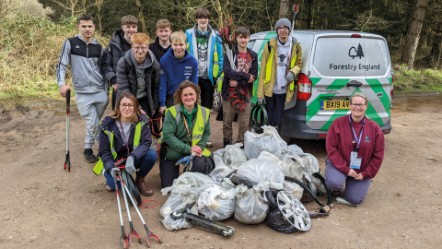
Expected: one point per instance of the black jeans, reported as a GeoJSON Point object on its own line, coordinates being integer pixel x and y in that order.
{"type": "Point", "coordinates": [275, 108]}
{"type": "Point", "coordinates": [206, 92]}
{"type": "Point", "coordinates": [170, 172]}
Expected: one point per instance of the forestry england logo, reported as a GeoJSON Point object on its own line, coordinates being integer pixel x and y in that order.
{"type": "Point", "coordinates": [353, 52]}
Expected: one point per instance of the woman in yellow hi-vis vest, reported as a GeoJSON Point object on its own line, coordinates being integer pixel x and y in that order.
{"type": "Point", "coordinates": [186, 129]}
{"type": "Point", "coordinates": [126, 134]}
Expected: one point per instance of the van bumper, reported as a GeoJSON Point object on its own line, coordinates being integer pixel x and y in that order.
{"type": "Point", "coordinates": [294, 125]}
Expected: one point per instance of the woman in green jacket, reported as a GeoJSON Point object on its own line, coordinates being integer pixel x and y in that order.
{"type": "Point", "coordinates": [186, 130]}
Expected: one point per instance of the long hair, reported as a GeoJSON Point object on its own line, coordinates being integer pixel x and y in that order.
{"type": "Point", "coordinates": [181, 87]}
{"type": "Point", "coordinates": [117, 112]}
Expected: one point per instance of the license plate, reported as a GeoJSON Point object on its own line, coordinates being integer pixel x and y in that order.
{"type": "Point", "coordinates": [335, 105]}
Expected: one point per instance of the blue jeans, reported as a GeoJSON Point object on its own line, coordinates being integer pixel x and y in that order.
{"type": "Point", "coordinates": [144, 165]}
{"type": "Point", "coordinates": [354, 191]}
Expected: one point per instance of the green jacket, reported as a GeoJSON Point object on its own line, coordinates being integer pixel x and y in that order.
{"type": "Point", "coordinates": [267, 74]}
{"type": "Point", "coordinates": [176, 137]}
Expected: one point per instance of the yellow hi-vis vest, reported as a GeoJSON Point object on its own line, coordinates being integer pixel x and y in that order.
{"type": "Point", "coordinates": [271, 60]}
{"type": "Point", "coordinates": [99, 166]}
{"type": "Point", "coordinates": [198, 128]}
{"type": "Point", "coordinates": [215, 70]}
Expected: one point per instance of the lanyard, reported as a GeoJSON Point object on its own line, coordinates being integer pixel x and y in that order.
{"type": "Point", "coordinates": [356, 139]}
{"type": "Point", "coordinates": [187, 127]}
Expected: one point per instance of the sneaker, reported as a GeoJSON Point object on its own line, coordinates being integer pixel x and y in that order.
{"type": "Point", "coordinates": [89, 155]}
{"type": "Point", "coordinates": [108, 188]}
{"type": "Point", "coordinates": [209, 144]}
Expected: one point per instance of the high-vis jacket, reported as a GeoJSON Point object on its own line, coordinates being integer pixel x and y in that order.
{"type": "Point", "coordinates": [176, 136]}
{"type": "Point", "coordinates": [112, 146]}
{"type": "Point", "coordinates": [267, 74]}
{"type": "Point", "coordinates": [214, 50]}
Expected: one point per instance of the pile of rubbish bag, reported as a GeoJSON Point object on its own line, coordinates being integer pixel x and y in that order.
{"type": "Point", "coordinates": [245, 184]}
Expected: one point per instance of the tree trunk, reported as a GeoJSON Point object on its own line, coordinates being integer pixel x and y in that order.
{"type": "Point", "coordinates": [141, 16]}
{"type": "Point", "coordinates": [284, 8]}
{"type": "Point", "coordinates": [436, 48]}
{"type": "Point", "coordinates": [413, 35]}
{"type": "Point", "coordinates": [309, 13]}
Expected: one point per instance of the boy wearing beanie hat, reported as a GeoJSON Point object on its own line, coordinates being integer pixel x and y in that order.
{"type": "Point", "coordinates": [280, 65]}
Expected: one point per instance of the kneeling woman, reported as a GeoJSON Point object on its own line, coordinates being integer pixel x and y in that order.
{"type": "Point", "coordinates": [126, 134]}
{"type": "Point", "coordinates": [186, 130]}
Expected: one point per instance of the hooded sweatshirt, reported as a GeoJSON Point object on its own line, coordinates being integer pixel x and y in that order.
{"type": "Point", "coordinates": [174, 71]}
{"type": "Point", "coordinates": [149, 71]}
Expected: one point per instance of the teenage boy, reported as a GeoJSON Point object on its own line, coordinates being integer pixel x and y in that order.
{"type": "Point", "coordinates": [162, 41]}
{"type": "Point", "coordinates": [206, 46]}
{"type": "Point", "coordinates": [118, 46]}
{"type": "Point", "coordinates": [240, 71]}
{"type": "Point", "coordinates": [280, 65]}
{"type": "Point", "coordinates": [177, 65]}
{"type": "Point", "coordinates": [82, 54]}
{"type": "Point", "coordinates": [138, 72]}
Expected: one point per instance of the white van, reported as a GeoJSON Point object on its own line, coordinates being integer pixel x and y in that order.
{"type": "Point", "coordinates": [336, 64]}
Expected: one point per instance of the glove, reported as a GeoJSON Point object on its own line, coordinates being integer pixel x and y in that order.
{"type": "Point", "coordinates": [162, 109]}
{"type": "Point", "coordinates": [261, 101]}
{"type": "Point", "coordinates": [130, 166]}
{"type": "Point", "coordinates": [113, 172]}
{"type": "Point", "coordinates": [290, 77]}
{"type": "Point", "coordinates": [185, 161]}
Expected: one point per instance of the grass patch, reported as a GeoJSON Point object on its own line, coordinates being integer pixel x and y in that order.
{"type": "Point", "coordinates": [419, 81]}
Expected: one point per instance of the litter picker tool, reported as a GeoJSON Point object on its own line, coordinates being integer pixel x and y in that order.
{"type": "Point", "coordinates": [131, 224]}
{"type": "Point", "coordinates": [67, 161]}
{"type": "Point", "coordinates": [124, 238]}
{"type": "Point", "coordinates": [149, 233]}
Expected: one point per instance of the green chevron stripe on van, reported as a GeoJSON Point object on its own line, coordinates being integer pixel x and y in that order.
{"type": "Point", "coordinates": [377, 87]}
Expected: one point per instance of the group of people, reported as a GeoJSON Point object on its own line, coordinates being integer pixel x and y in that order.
{"type": "Point", "coordinates": [174, 76]}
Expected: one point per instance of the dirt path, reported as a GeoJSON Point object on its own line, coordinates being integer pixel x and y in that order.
{"type": "Point", "coordinates": [44, 207]}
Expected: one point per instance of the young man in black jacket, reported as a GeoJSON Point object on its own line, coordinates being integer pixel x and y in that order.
{"type": "Point", "coordinates": [118, 46]}
{"type": "Point", "coordinates": [162, 41]}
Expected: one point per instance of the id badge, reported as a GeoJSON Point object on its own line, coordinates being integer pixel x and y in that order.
{"type": "Point", "coordinates": [355, 161]}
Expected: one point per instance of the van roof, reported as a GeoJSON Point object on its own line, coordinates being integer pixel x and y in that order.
{"type": "Point", "coordinates": [264, 34]}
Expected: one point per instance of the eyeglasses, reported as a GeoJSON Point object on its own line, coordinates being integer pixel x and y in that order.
{"type": "Point", "coordinates": [140, 48]}
{"type": "Point", "coordinates": [358, 105]}
{"type": "Point", "coordinates": [126, 105]}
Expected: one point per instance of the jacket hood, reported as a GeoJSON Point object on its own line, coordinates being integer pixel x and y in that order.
{"type": "Point", "coordinates": [117, 38]}
{"type": "Point", "coordinates": [148, 62]}
{"type": "Point", "coordinates": [171, 56]}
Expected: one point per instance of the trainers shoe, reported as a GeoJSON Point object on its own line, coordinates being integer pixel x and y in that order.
{"type": "Point", "coordinates": [108, 188]}
{"type": "Point", "coordinates": [209, 144]}
{"type": "Point", "coordinates": [89, 155]}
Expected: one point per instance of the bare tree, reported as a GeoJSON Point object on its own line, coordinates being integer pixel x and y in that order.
{"type": "Point", "coordinates": [284, 8]}
{"type": "Point", "coordinates": [141, 16]}
{"type": "Point", "coordinates": [414, 32]}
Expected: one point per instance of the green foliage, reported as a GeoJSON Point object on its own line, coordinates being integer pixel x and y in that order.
{"type": "Point", "coordinates": [29, 51]}
{"type": "Point", "coordinates": [425, 80]}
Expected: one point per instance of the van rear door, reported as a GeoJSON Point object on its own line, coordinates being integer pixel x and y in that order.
{"type": "Point", "coordinates": [345, 63]}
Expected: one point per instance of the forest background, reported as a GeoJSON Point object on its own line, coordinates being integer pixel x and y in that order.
{"type": "Point", "coordinates": [32, 32]}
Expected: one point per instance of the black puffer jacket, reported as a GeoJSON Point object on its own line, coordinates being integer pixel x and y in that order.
{"type": "Point", "coordinates": [112, 54]}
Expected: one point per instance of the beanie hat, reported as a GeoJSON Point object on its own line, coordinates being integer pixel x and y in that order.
{"type": "Point", "coordinates": [283, 22]}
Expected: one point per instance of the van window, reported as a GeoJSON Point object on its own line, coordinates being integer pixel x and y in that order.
{"type": "Point", "coordinates": [250, 44]}
{"type": "Point", "coordinates": [351, 57]}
